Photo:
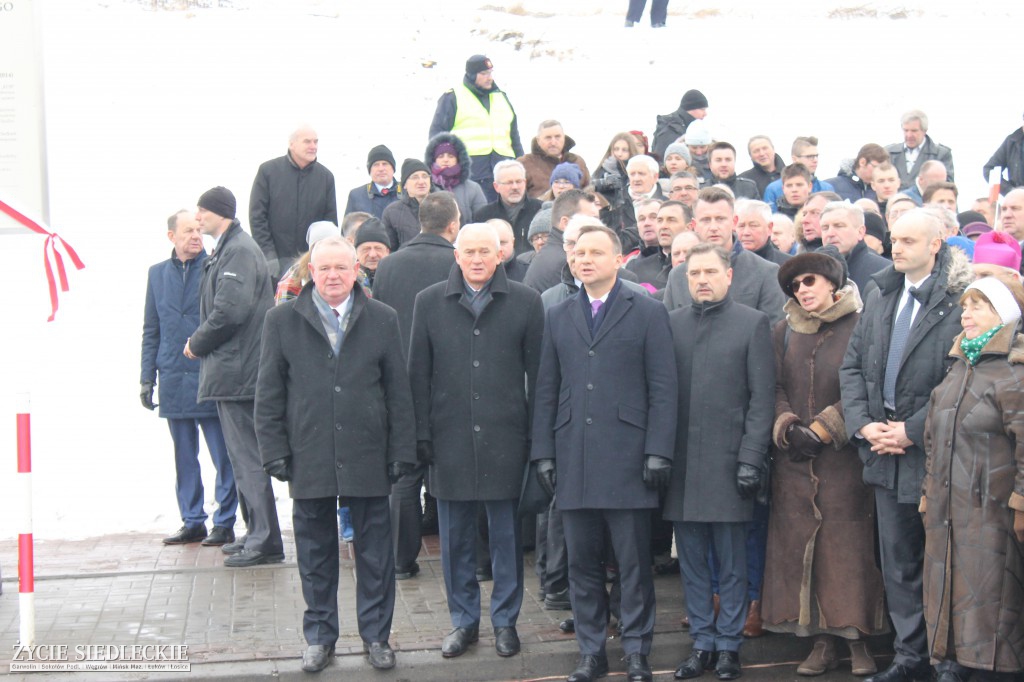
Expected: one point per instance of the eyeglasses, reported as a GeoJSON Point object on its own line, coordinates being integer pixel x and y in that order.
{"type": "Point", "coordinates": [805, 281]}
{"type": "Point", "coordinates": [807, 156]}
{"type": "Point", "coordinates": [562, 183]}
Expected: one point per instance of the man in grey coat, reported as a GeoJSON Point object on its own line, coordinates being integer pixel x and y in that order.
{"type": "Point", "coordinates": [603, 440]}
{"type": "Point", "coordinates": [235, 296]}
{"type": "Point", "coordinates": [722, 440]}
{"type": "Point", "coordinates": [334, 419]}
{"type": "Point", "coordinates": [917, 148]}
{"type": "Point", "coordinates": [898, 353]}
{"type": "Point", "coordinates": [473, 364]}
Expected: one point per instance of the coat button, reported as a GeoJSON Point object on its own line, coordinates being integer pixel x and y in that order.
{"type": "Point", "coordinates": [339, 465]}
{"type": "Point", "coordinates": [337, 389]}
{"type": "Point", "coordinates": [945, 483]}
{"type": "Point", "coordinates": [476, 363]}
{"type": "Point", "coordinates": [337, 427]}
{"type": "Point", "coordinates": [591, 353]}
{"type": "Point", "coordinates": [476, 332]}
{"type": "Point", "coordinates": [476, 396]}
{"type": "Point", "coordinates": [476, 428]}
{"type": "Point", "coordinates": [330, 356]}
{"type": "Point", "coordinates": [589, 420]}
{"type": "Point", "coordinates": [590, 387]}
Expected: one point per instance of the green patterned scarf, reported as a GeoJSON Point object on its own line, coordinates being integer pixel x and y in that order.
{"type": "Point", "coordinates": [972, 347]}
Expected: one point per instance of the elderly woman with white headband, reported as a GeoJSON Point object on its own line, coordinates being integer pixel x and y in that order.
{"type": "Point", "coordinates": [974, 493]}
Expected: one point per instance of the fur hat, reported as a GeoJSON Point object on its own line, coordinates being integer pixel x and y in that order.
{"type": "Point", "coordinates": [372, 231]}
{"type": "Point", "coordinates": [219, 200]}
{"type": "Point", "coordinates": [826, 261]}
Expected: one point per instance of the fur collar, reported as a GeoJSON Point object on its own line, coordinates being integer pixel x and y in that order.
{"type": "Point", "coordinates": [803, 322]}
{"type": "Point", "coordinates": [1007, 342]}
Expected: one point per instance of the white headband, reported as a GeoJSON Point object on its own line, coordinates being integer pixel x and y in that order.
{"type": "Point", "coordinates": [1000, 297]}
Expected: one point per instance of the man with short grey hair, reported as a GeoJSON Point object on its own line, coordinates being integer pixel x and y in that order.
{"type": "Point", "coordinates": [513, 206]}
{"type": "Point", "coordinates": [754, 230]}
{"type": "Point", "coordinates": [917, 147]}
{"type": "Point", "coordinates": [842, 226]}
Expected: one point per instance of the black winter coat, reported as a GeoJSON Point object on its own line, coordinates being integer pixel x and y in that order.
{"type": "Point", "coordinates": [763, 178]}
{"type": "Point", "coordinates": [368, 199]}
{"type": "Point", "coordinates": [402, 220]}
{"type": "Point", "coordinates": [235, 296]}
{"type": "Point", "coordinates": [285, 200]}
{"type": "Point", "coordinates": [341, 418]}
{"type": "Point", "coordinates": [1009, 156]}
{"type": "Point", "coordinates": [925, 362]}
{"type": "Point", "coordinates": [472, 381]}
{"type": "Point", "coordinates": [172, 313]}
{"type": "Point", "coordinates": [668, 129]}
{"type": "Point", "coordinates": [652, 268]}
{"type": "Point", "coordinates": [521, 226]}
{"type": "Point", "coordinates": [863, 263]}
{"type": "Point", "coordinates": [726, 366]}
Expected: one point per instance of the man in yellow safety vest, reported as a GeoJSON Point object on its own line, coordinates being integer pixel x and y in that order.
{"type": "Point", "coordinates": [479, 112]}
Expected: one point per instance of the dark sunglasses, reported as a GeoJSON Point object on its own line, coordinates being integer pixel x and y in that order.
{"type": "Point", "coordinates": [805, 281]}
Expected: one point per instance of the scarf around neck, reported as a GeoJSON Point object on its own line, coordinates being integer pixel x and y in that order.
{"type": "Point", "coordinates": [972, 347]}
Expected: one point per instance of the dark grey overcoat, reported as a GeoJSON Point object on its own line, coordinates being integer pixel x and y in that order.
{"type": "Point", "coordinates": [341, 418]}
{"type": "Point", "coordinates": [472, 382]}
{"type": "Point", "coordinates": [726, 368]}
{"type": "Point", "coordinates": [605, 401]}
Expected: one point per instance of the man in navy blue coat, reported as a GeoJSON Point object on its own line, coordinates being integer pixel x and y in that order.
{"type": "Point", "coordinates": [603, 442]}
{"type": "Point", "coordinates": [172, 313]}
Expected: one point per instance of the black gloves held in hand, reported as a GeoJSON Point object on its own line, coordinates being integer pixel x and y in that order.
{"type": "Point", "coordinates": [281, 469]}
{"type": "Point", "coordinates": [804, 443]}
{"type": "Point", "coordinates": [748, 480]}
{"type": "Point", "coordinates": [546, 475]}
{"type": "Point", "coordinates": [146, 394]}
{"type": "Point", "coordinates": [398, 469]}
{"type": "Point", "coordinates": [657, 472]}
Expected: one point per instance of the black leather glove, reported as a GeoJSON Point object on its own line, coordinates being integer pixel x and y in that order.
{"type": "Point", "coordinates": [657, 473]}
{"type": "Point", "coordinates": [281, 469]}
{"type": "Point", "coordinates": [748, 480]}
{"type": "Point", "coordinates": [804, 444]}
{"type": "Point", "coordinates": [146, 394]}
{"type": "Point", "coordinates": [424, 452]}
{"type": "Point", "coordinates": [546, 475]}
{"type": "Point", "coordinates": [398, 469]}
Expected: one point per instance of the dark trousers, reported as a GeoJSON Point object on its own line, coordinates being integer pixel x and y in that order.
{"type": "Point", "coordinates": [693, 542]}
{"type": "Point", "coordinates": [659, 10]}
{"type": "Point", "coordinates": [552, 560]}
{"type": "Point", "coordinates": [406, 518]}
{"type": "Point", "coordinates": [316, 549]}
{"type": "Point", "coordinates": [457, 527]}
{"type": "Point", "coordinates": [188, 484]}
{"type": "Point", "coordinates": [757, 547]}
{"type": "Point", "coordinates": [263, 532]}
{"type": "Point", "coordinates": [901, 546]}
{"type": "Point", "coordinates": [629, 531]}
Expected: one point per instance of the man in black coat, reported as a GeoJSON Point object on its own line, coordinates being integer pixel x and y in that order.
{"type": "Point", "coordinates": [653, 266]}
{"type": "Point", "coordinates": [473, 363]}
{"type": "Point", "coordinates": [670, 127]}
{"type": "Point", "coordinates": [768, 164]}
{"type": "Point", "coordinates": [754, 230]}
{"type": "Point", "coordinates": [334, 419]}
{"type": "Point", "coordinates": [234, 298]}
{"type": "Point", "coordinates": [546, 267]}
{"type": "Point", "coordinates": [426, 259]}
{"type": "Point", "coordinates": [513, 205]}
{"type": "Point", "coordinates": [1010, 158]}
{"type": "Point", "coordinates": [898, 353]}
{"type": "Point", "coordinates": [842, 226]}
{"type": "Point", "coordinates": [722, 163]}
{"type": "Point", "coordinates": [289, 194]}
{"type": "Point", "coordinates": [603, 440]}
{"type": "Point", "coordinates": [382, 190]}
{"type": "Point", "coordinates": [722, 440]}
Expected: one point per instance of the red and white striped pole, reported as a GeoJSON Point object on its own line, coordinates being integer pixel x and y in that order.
{"type": "Point", "coordinates": [26, 565]}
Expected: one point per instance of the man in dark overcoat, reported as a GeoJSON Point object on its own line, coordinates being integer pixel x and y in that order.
{"type": "Point", "coordinates": [473, 363]}
{"type": "Point", "coordinates": [334, 419]}
{"type": "Point", "coordinates": [898, 353]}
{"type": "Point", "coordinates": [603, 439]}
{"type": "Point", "coordinates": [721, 442]}
{"type": "Point", "coordinates": [426, 259]}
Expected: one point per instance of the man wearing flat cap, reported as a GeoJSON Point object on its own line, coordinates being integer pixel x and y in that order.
{"type": "Point", "coordinates": [235, 295]}
{"type": "Point", "coordinates": [480, 113]}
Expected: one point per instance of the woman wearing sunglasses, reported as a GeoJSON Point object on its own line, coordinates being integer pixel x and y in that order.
{"type": "Point", "coordinates": [820, 575]}
{"type": "Point", "coordinates": [973, 500]}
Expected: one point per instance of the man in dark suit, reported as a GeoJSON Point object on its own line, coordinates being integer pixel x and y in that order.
{"type": "Point", "coordinates": [603, 439]}
{"type": "Point", "coordinates": [473, 363]}
{"type": "Point", "coordinates": [722, 439]}
{"type": "Point", "coordinates": [426, 259]}
{"type": "Point", "coordinates": [334, 419]}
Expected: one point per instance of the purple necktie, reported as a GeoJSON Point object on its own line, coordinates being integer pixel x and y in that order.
{"type": "Point", "coordinates": [595, 306]}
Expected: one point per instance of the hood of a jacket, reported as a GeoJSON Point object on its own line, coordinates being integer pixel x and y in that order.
{"type": "Point", "coordinates": [460, 147]}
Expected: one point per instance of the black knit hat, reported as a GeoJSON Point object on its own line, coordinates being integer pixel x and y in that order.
{"type": "Point", "coordinates": [874, 225]}
{"type": "Point", "coordinates": [410, 166]}
{"type": "Point", "coordinates": [372, 230]}
{"type": "Point", "coordinates": [219, 200]}
{"type": "Point", "coordinates": [826, 261]}
{"type": "Point", "coordinates": [693, 99]}
{"type": "Point", "coordinates": [380, 153]}
{"type": "Point", "coordinates": [476, 64]}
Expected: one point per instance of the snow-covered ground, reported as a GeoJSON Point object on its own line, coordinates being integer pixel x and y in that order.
{"type": "Point", "coordinates": [147, 108]}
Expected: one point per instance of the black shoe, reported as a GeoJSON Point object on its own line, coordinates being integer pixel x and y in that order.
{"type": "Point", "coordinates": [381, 655]}
{"type": "Point", "coordinates": [458, 640]}
{"type": "Point", "coordinates": [637, 668]}
{"type": "Point", "coordinates": [728, 666]}
{"type": "Point", "coordinates": [252, 557]}
{"type": "Point", "coordinates": [695, 665]}
{"type": "Point", "coordinates": [317, 657]}
{"type": "Point", "coordinates": [670, 567]}
{"type": "Point", "coordinates": [568, 626]}
{"type": "Point", "coordinates": [589, 669]}
{"type": "Point", "coordinates": [186, 535]}
{"type": "Point", "coordinates": [219, 536]}
{"type": "Point", "coordinates": [410, 571]}
{"type": "Point", "coordinates": [234, 547]}
{"type": "Point", "coordinates": [484, 575]}
{"type": "Point", "coordinates": [506, 641]}
{"type": "Point", "coordinates": [658, 25]}
{"type": "Point", "coordinates": [901, 673]}
{"type": "Point", "coordinates": [558, 601]}
{"type": "Point", "coordinates": [629, 24]}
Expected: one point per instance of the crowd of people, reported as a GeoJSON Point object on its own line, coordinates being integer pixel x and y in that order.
{"type": "Point", "coordinates": [806, 390]}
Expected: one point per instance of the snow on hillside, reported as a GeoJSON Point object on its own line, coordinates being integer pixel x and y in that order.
{"type": "Point", "coordinates": [148, 107]}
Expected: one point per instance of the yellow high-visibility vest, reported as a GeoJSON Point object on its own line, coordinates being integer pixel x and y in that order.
{"type": "Point", "coordinates": [483, 132]}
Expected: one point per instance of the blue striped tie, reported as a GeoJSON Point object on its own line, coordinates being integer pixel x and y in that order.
{"type": "Point", "coordinates": [900, 334]}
